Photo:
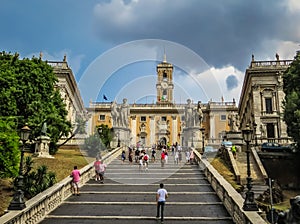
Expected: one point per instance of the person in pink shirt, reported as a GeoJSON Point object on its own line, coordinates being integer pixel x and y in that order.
{"type": "Point", "coordinates": [76, 179]}
{"type": "Point", "coordinates": [97, 164]}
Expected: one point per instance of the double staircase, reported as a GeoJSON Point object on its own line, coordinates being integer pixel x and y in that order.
{"type": "Point", "coordinates": [128, 196]}
{"type": "Point", "coordinates": [258, 180]}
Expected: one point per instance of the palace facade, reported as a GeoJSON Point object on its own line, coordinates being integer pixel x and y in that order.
{"type": "Point", "coordinates": [261, 101]}
{"type": "Point", "coordinates": [260, 106]}
{"type": "Point", "coordinates": [164, 121]}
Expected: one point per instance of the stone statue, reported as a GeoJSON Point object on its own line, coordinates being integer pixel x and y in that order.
{"type": "Point", "coordinates": [189, 111]}
{"type": "Point", "coordinates": [234, 121]}
{"type": "Point", "coordinates": [124, 114]}
{"type": "Point", "coordinates": [292, 216]}
{"type": "Point", "coordinates": [115, 114]}
{"type": "Point", "coordinates": [44, 129]}
{"type": "Point", "coordinates": [198, 115]}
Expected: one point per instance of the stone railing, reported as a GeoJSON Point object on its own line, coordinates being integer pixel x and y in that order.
{"type": "Point", "coordinates": [42, 204]}
{"type": "Point", "coordinates": [277, 63]}
{"type": "Point", "coordinates": [231, 199]}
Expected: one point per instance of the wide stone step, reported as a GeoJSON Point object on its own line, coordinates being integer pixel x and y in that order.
{"type": "Point", "coordinates": [148, 188]}
{"type": "Point", "coordinates": [143, 197]}
{"type": "Point", "coordinates": [135, 220]}
{"type": "Point", "coordinates": [143, 209]}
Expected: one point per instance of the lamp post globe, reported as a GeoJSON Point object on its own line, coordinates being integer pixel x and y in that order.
{"type": "Point", "coordinates": [249, 203]}
{"type": "Point", "coordinates": [18, 202]}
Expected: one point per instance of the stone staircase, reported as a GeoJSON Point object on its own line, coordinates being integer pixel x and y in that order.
{"type": "Point", "coordinates": [128, 196]}
{"type": "Point", "coordinates": [258, 182]}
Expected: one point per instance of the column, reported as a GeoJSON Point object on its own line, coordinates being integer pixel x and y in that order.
{"type": "Point", "coordinates": [152, 130]}
{"type": "Point", "coordinates": [276, 130]}
{"type": "Point", "coordinates": [212, 126]}
{"type": "Point", "coordinates": [133, 129]}
{"type": "Point", "coordinates": [174, 129]}
{"type": "Point", "coordinates": [274, 102]}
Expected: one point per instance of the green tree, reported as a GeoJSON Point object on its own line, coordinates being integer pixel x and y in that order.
{"type": "Point", "coordinates": [28, 92]}
{"type": "Point", "coordinates": [98, 141]}
{"type": "Point", "coordinates": [291, 80]}
{"type": "Point", "coordinates": [105, 134]}
{"type": "Point", "coordinates": [9, 149]}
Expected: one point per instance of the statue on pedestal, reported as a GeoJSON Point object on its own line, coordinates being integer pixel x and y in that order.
{"type": "Point", "coordinates": [189, 118]}
{"type": "Point", "coordinates": [124, 114]}
{"type": "Point", "coordinates": [193, 115]}
{"type": "Point", "coordinates": [115, 114]}
{"type": "Point", "coordinates": [44, 129]}
{"type": "Point", "coordinates": [234, 121]}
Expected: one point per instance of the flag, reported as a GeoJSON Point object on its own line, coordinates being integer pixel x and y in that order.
{"type": "Point", "coordinates": [104, 97]}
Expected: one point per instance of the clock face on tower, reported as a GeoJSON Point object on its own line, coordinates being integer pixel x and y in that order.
{"type": "Point", "coordinates": [164, 85]}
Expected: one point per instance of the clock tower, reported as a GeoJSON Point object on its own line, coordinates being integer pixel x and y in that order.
{"type": "Point", "coordinates": [164, 85]}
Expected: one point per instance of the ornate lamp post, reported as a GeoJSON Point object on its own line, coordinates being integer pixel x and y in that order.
{"type": "Point", "coordinates": [249, 203]}
{"type": "Point", "coordinates": [255, 136]}
{"type": "Point", "coordinates": [202, 132]}
{"type": "Point", "coordinates": [18, 202]}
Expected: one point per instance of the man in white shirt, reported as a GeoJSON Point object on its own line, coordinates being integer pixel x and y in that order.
{"type": "Point", "coordinates": [161, 197]}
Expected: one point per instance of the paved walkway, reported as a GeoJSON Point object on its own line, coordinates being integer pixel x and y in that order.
{"type": "Point", "coordinates": [128, 196]}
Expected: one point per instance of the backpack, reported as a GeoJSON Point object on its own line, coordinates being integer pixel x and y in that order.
{"type": "Point", "coordinates": [146, 157]}
{"type": "Point", "coordinates": [163, 156]}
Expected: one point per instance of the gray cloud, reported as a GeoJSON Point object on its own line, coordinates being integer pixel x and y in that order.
{"type": "Point", "coordinates": [231, 82]}
{"type": "Point", "coordinates": [220, 32]}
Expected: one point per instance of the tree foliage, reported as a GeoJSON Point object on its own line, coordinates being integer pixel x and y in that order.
{"type": "Point", "coordinates": [98, 141]}
{"type": "Point", "coordinates": [28, 92]}
{"type": "Point", "coordinates": [9, 149]}
{"type": "Point", "coordinates": [291, 87]}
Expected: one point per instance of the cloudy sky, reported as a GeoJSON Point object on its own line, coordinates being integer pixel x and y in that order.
{"type": "Point", "coordinates": [113, 46]}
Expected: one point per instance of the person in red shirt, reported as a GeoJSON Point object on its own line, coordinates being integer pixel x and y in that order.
{"type": "Point", "coordinates": [76, 179]}
{"type": "Point", "coordinates": [162, 158]}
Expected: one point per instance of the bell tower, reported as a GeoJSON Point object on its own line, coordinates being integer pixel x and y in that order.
{"type": "Point", "coordinates": [164, 85]}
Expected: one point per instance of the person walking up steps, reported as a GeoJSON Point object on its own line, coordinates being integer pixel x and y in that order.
{"type": "Point", "coordinates": [161, 197]}
{"type": "Point", "coordinates": [97, 168]}
{"type": "Point", "coordinates": [102, 171]}
{"type": "Point", "coordinates": [146, 161]}
{"type": "Point", "coordinates": [76, 179]}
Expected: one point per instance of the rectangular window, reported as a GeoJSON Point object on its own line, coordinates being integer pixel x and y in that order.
{"type": "Point", "coordinates": [143, 118]}
{"type": "Point", "coordinates": [223, 117]}
{"type": "Point", "coordinates": [102, 117]}
{"type": "Point", "coordinates": [163, 118]}
{"type": "Point", "coordinates": [269, 108]}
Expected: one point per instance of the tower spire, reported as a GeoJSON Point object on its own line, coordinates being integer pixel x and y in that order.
{"type": "Point", "coordinates": [165, 56]}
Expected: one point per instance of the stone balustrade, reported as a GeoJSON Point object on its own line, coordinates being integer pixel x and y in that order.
{"type": "Point", "coordinates": [277, 63]}
{"type": "Point", "coordinates": [231, 199]}
{"type": "Point", "coordinates": [42, 204]}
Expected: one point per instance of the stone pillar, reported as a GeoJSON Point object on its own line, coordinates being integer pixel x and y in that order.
{"type": "Point", "coordinates": [152, 130]}
{"type": "Point", "coordinates": [133, 129]}
{"type": "Point", "coordinates": [262, 103]}
{"type": "Point", "coordinates": [274, 102]}
{"type": "Point", "coordinates": [174, 129]}
{"type": "Point", "coordinates": [212, 125]}
{"type": "Point", "coordinates": [276, 130]}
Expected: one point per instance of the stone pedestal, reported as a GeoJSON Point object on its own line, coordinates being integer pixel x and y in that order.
{"type": "Point", "coordinates": [42, 147]}
{"type": "Point", "coordinates": [236, 138]}
{"type": "Point", "coordinates": [121, 137]}
{"type": "Point", "coordinates": [191, 136]}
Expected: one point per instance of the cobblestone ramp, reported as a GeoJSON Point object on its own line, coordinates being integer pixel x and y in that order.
{"type": "Point", "coordinates": [128, 196]}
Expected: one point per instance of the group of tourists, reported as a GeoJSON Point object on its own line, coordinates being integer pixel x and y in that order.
{"type": "Point", "coordinates": [143, 157]}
